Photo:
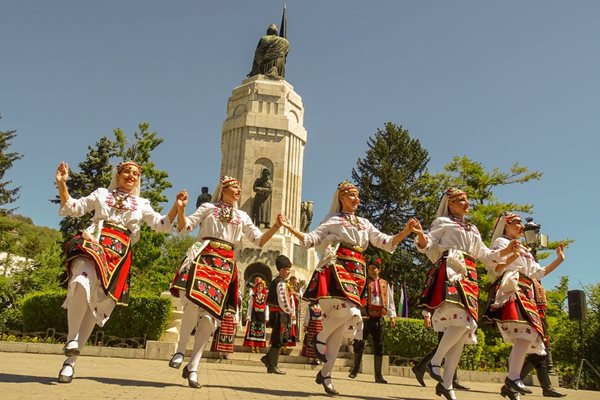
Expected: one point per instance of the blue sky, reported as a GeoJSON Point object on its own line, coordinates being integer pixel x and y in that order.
{"type": "Point", "coordinates": [500, 82]}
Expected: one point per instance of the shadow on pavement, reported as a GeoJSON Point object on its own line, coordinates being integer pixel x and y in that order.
{"type": "Point", "coordinates": [12, 378]}
{"type": "Point", "coordinates": [128, 382]}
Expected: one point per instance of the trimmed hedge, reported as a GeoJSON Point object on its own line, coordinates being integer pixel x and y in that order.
{"type": "Point", "coordinates": [409, 339]}
{"type": "Point", "coordinates": [146, 315]}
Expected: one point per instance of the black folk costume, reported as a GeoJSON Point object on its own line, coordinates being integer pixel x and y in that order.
{"type": "Point", "coordinates": [99, 260]}
{"type": "Point", "coordinates": [207, 280]}
{"type": "Point", "coordinates": [340, 276]}
{"type": "Point", "coordinates": [451, 291]}
{"type": "Point", "coordinates": [280, 314]}
{"type": "Point", "coordinates": [378, 303]}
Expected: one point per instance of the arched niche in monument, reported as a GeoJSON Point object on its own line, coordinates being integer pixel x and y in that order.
{"type": "Point", "coordinates": [263, 193]}
{"type": "Point", "coordinates": [255, 270]}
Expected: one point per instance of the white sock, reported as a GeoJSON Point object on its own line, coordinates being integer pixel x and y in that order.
{"type": "Point", "coordinates": [516, 359]}
{"type": "Point", "coordinates": [204, 330]}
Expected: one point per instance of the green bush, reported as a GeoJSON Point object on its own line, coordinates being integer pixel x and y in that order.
{"type": "Point", "coordinates": [408, 339]}
{"type": "Point", "coordinates": [145, 315]}
{"type": "Point", "coordinates": [43, 310]}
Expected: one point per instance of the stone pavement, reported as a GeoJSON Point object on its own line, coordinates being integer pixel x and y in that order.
{"type": "Point", "coordinates": [33, 376]}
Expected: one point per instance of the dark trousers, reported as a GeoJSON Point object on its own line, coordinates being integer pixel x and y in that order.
{"type": "Point", "coordinates": [371, 326]}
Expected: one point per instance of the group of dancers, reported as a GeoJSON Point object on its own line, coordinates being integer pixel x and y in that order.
{"type": "Point", "coordinates": [99, 259]}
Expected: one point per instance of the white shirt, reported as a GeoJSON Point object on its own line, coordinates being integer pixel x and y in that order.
{"type": "Point", "coordinates": [336, 228]}
{"type": "Point", "coordinates": [207, 216]}
{"type": "Point", "coordinates": [135, 210]}
{"type": "Point", "coordinates": [447, 234]}
{"type": "Point", "coordinates": [524, 264]}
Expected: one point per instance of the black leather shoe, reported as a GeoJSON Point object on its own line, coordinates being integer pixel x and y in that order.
{"type": "Point", "coordinates": [353, 374]}
{"type": "Point", "coordinates": [176, 364]}
{"type": "Point", "coordinates": [190, 375]}
{"type": "Point", "coordinates": [275, 370]}
{"type": "Point", "coordinates": [517, 385]}
{"type": "Point", "coordinates": [440, 390]}
{"type": "Point", "coordinates": [419, 374]}
{"type": "Point", "coordinates": [66, 378]}
{"type": "Point", "coordinates": [506, 392]}
{"type": "Point", "coordinates": [320, 356]}
{"type": "Point", "coordinates": [433, 375]}
{"type": "Point", "coordinates": [320, 379]}
{"type": "Point", "coordinates": [551, 392]}
{"type": "Point", "coordinates": [380, 379]}
{"type": "Point", "coordinates": [458, 386]}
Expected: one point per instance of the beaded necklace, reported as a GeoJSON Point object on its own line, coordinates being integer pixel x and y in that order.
{"type": "Point", "coordinates": [351, 219]}
{"type": "Point", "coordinates": [121, 199]}
{"type": "Point", "coordinates": [225, 212]}
{"type": "Point", "coordinates": [461, 222]}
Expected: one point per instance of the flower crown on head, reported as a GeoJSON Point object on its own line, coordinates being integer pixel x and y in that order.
{"type": "Point", "coordinates": [227, 181]}
{"type": "Point", "coordinates": [126, 163]}
{"type": "Point", "coordinates": [259, 281]}
{"type": "Point", "coordinates": [454, 192]}
{"type": "Point", "coordinates": [510, 216]}
{"type": "Point", "coordinates": [345, 186]}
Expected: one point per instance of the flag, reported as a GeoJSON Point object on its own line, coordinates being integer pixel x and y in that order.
{"type": "Point", "coordinates": [403, 302]}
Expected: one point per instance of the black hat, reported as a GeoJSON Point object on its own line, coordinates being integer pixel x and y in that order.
{"type": "Point", "coordinates": [282, 262]}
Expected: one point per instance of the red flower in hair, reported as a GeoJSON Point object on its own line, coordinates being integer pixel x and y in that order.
{"type": "Point", "coordinates": [378, 261]}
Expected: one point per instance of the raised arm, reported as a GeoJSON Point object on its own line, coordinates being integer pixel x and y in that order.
{"type": "Point", "coordinates": [560, 257]}
{"type": "Point", "coordinates": [62, 174]}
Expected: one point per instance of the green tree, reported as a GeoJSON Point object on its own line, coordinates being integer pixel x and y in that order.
{"type": "Point", "coordinates": [7, 195]}
{"type": "Point", "coordinates": [95, 172]}
{"type": "Point", "coordinates": [394, 186]}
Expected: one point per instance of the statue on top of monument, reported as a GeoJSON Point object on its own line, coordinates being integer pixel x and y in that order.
{"type": "Point", "coordinates": [270, 54]}
{"type": "Point", "coordinates": [203, 197]}
{"type": "Point", "coordinates": [261, 207]}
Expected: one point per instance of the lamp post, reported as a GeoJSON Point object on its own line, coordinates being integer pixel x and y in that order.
{"type": "Point", "coordinates": [535, 240]}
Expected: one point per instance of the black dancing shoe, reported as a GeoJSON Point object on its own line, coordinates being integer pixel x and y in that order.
{"type": "Point", "coordinates": [551, 392]}
{"type": "Point", "coordinates": [433, 375]}
{"type": "Point", "coordinates": [329, 389]}
{"type": "Point", "coordinates": [380, 379]}
{"type": "Point", "coordinates": [71, 351]}
{"type": "Point", "coordinates": [173, 363]}
{"type": "Point", "coordinates": [66, 378]}
{"type": "Point", "coordinates": [320, 356]}
{"type": "Point", "coordinates": [419, 374]}
{"type": "Point", "coordinates": [353, 373]}
{"type": "Point", "coordinates": [517, 385]}
{"type": "Point", "coordinates": [459, 386]}
{"type": "Point", "coordinates": [192, 377]}
{"type": "Point", "coordinates": [506, 392]}
{"type": "Point", "coordinates": [440, 390]}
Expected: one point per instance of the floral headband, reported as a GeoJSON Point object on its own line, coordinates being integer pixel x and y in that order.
{"type": "Point", "coordinates": [227, 181]}
{"type": "Point", "coordinates": [127, 163]}
{"type": "Point", "coordinates": [453, 193]}
{"type": "Point", "coordinates": [346, 186]}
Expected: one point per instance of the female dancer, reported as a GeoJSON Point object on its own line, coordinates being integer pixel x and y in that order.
{"type": "Point", "coordinates": [339, 279]}
{"type": "Point", "coordinates": [207, 282]}
{"type": "Point", "coordinates": [98, 259]}
{"type": "Point", "coordinates": [451, 288]}
{"type": "Point", "coordinates": [512, 301]}
{"type": "Point", "coordinates": [257, 317]}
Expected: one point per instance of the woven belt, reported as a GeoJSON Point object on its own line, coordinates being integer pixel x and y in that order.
{"type": "Point", "coordinates": [358, 249]}
{"type": "Point", "coordinates": [219, 244]}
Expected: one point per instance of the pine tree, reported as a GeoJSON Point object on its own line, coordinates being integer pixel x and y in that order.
{"type": "Point", "coordinates": [7, 195]}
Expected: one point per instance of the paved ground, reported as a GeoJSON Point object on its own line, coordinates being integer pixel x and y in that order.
{"type": "Point", "coordinates": [33, 376]}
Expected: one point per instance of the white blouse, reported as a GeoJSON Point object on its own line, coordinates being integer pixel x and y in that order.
{"type": "Point", "coordinates": [130, 214]}
{"type": "Point", "coordinates": [524, 264]}
{"type": "Point", "coordinates": [446, 234]}
{"type": "Point", "coordinates": [349, 229]}
{"type": "Point", "coordinates": [208, 216]}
